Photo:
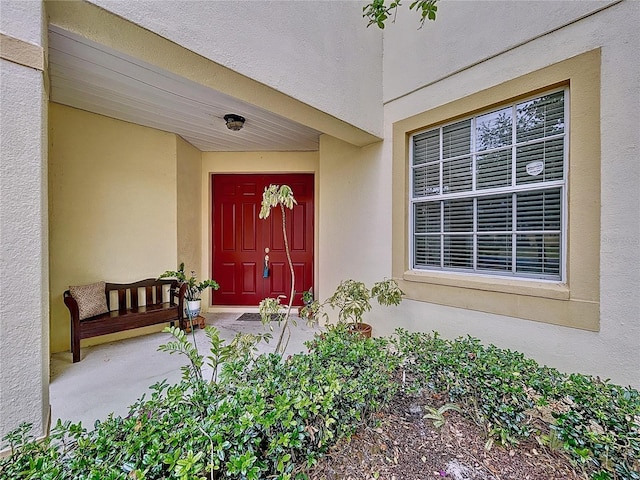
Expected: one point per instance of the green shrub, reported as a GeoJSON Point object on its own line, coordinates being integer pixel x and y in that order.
{"type": "Point", "coordinates": [598, 423]}
{"type": "Point", "coordinates": [265, 418]}
{"type": "Point", "coordinates": [269, 417]}
{"type": "Point", "coordinates": [601, 426]}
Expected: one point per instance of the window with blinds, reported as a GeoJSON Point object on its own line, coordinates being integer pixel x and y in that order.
{"type": "Point", "coordinates": [488, 193]}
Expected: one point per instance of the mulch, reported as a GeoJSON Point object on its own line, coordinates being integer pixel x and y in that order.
{"type": "Point", "coordinates": [403, 445]}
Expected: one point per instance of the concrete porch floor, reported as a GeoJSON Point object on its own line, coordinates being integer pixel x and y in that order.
{"type": "Point", "coordinates": [112, 376]}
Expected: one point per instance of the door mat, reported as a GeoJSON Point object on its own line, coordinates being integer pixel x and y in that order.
{"type": "Point", "coordinates": [249, 317]}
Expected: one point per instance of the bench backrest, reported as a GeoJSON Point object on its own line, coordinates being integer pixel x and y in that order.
{"type": "Point", "coordinates": [153, 292]}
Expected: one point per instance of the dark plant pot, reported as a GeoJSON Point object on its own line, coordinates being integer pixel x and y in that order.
{"type": "Point", "coordinates": [309, 314]}
{"type": "Point", "coordinates": [363, 329]}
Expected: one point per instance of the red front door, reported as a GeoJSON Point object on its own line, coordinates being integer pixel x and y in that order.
{"type": "Point", "coordinates": [240, 239]}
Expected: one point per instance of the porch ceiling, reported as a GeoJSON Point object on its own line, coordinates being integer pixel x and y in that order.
{"type": "Point", "coordinates": [93, 77]}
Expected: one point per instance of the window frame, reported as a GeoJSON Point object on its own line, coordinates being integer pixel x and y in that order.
{"type": "Point", "coordinates": [573, 302]}
{"type": "Point", "coordinates": [476, 193]}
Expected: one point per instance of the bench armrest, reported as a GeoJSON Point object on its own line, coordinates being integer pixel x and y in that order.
{"type": "Point", "coordinates": [178, 291]}
{"type": "Point", "coordinates": [72, 305]}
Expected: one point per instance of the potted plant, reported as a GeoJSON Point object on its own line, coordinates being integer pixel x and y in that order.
{"type": "Point", "coordinates": [352, 299]}
{"type": "Point", "coordinates": [307, 300]}
{"type": "Point", "coordinates": [194, 290]}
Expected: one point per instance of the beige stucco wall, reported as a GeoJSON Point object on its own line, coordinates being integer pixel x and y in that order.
{"type": "Point", "coordinates": [354, 236]}
{"type": "Point", "coordinates": [24, 307]}
{"type": "Point", "coordinates": [113, 207]}
{"type": "Point", "coordinates": [189, 203]}
{"type": "Point", "coordinates": [467, 32]}
{"type": "Point", "coordinates": [252, 162]}
{"type": "Point", "coordinates": [612, 351]}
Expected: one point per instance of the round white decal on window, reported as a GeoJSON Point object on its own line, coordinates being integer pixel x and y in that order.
{"type": "Point", "coordinates": [535, 168]}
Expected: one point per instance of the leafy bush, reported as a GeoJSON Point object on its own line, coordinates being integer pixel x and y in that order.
{"type": "Point", "coordinates": [352, 299]}
{"type": "Point", "coordinates": [597, 423]}
{"type": "Point", "coordinates": [269, 417]}
{"type": "Point", "coordinates": [265, 418]}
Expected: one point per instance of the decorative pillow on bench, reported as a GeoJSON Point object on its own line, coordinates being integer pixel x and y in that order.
{"type": "Point", "coordinates": [91, 299]}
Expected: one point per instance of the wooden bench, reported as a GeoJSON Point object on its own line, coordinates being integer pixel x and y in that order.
{"type": "Point", "coordinates": [126, 316]}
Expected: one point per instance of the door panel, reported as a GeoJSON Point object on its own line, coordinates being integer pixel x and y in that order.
{"type": "Point", "coordinates": [249, 233]}
{"type": "Point", "coordinates": [228, 233]}
{"type": "Point", "coordinates": [240, 238]}
{"type": "Point", "coordinates": [249, 278]}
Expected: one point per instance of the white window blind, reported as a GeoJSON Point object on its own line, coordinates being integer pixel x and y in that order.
{"type": "Point", "coordinates": [488, 192]}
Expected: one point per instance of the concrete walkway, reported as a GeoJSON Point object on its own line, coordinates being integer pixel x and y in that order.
{"type": "Point", "coordinates": [112, 376]}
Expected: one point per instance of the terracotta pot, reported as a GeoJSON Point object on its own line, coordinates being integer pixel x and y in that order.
{"type": "Point", "coordinates": [363, 329]}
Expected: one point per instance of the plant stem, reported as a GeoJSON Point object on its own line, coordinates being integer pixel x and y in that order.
{"type": "Point", "coordinates": [196, 370]}
{"type": "Point", "coordinates": [293, 285]}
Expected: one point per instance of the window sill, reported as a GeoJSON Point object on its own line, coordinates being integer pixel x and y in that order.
{"type": "Point", "coordinates": [517, 286]}
{"type": "Point", "coordinates": [545, 302]}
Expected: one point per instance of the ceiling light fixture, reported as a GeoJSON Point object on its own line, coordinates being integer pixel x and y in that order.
{"type": "Point", "coordinates": [234, 122]}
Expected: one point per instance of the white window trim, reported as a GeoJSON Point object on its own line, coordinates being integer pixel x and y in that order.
{"type": "Point", "coordinates": [473, 194]}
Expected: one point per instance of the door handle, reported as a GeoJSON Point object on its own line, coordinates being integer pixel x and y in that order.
{"type": "Point", "coordinates": [265, 270]}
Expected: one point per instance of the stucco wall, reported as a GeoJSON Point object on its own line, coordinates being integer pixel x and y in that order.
{"type": "Point", "coordinates": [189, 170]}
{"type": "Point", "coordinates": [354, 235]}
{"type": "Point", "coordinates": [252, 162]}
{"type": "Point", "coordinates": [113, 207]}
{"type": "Point", "coordinates": [24, 332]}
{"type": "Point", "coordinates": [467, 32]}
{"type": "Point", "coordinates": [612, 352]}
{"type": "Point", "coordinates": [22, 20]}
{"type": "Point", "coordinates": [316, 52]}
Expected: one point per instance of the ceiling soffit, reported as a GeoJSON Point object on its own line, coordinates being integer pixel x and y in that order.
{"type": "Point", "coordinates": [93, 77]}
